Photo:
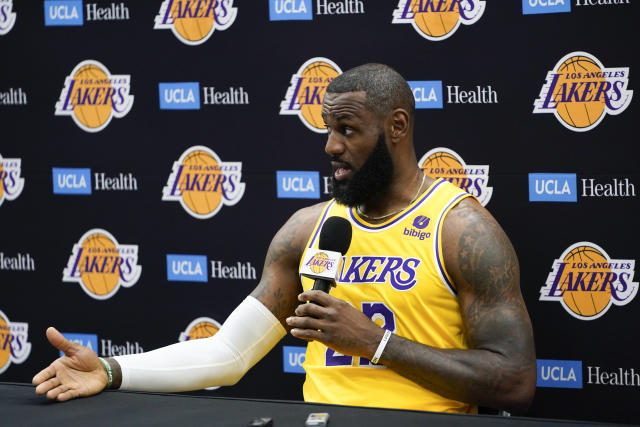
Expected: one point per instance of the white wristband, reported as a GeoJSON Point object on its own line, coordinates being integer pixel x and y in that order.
{"type": "Point", "coordinates": [381, 346]}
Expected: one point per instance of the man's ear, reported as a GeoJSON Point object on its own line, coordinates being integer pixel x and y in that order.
{"type": "Point", "coordinates": [398, 123]}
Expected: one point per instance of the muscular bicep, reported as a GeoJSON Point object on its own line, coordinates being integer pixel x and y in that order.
{"type": "Point", "coordinates": [485, 270]}
{"type": "Point", "coordinates": [280, 284]}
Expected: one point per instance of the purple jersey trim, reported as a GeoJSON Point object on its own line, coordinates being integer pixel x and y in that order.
{"type": "Point", "coordinates": [324, 217]}
{"type": "Point", "coordinates": [440, 267]}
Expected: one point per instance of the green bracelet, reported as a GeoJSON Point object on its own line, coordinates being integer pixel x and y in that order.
{"type": "Point", "coordinates": [107, 368]}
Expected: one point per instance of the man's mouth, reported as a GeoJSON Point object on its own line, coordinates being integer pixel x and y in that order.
{"type": "Point", "coordinates": [341, 170]}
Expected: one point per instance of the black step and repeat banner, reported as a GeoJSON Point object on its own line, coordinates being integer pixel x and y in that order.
{"type": "Point", "coordinates": [150, 150]}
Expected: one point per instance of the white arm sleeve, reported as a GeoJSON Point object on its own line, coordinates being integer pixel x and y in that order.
{"type": "Point", "coordinates": [249, 332]}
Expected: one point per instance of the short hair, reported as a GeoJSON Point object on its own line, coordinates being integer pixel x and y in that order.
{"type": "Point", "coordinates": [386, 89]}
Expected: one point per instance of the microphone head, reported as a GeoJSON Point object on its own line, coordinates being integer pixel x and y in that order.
{"type": "Point", "coordinates": [335, 235]}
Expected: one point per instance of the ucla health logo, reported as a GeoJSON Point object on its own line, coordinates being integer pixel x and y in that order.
{"type": "Point", "coordinates": [306, 92]}
{"type": "Point", "coordinates": [580, 91]}
{"type": "Point", "coordinates": [298, 184]}
{"type": "Point", "coordinates": [88, 340]}
{"type": "Point", "coordinates": [92, 96]}
{"type": "Point", "coordinates": [11, 184]}
{"type": "Point", "coordinates": [202, 183]}
{"type": "Point", "coordinates": [427, 94]}
{"type": "Point", "coordinates": [437, 19]}
{"type": "Point", "coordinates": [292, 359]}
{"type": "Point", "coordinates": [7, 19]}
{"type": "Point", "coordinates": [187, 268]}
{"type": "Point", "coordinates": [290, 10]}
{"type": "Point", "coordinates": [63, 12]}
{"type": "Point", "coordinates": [534, 7]}
{"type": "Point", "coordinates": [100, 265]}
{"type": "Point", "coordinates": [193, 22]}
{"type": "Point", "coordinates": [553, 187]}
{"type": "Point", "coordinates": [14, 347]}
{"type": "Point", "coordinates": [179, 96]}
{"type": "Point", "coordinates": [559, 373]}
{"type": "Point", "coordinates": [75, 181]}
{"type": "Point", "coordinates": [444, 163]}
{"type": "Point", "coordinates": [587, 282]}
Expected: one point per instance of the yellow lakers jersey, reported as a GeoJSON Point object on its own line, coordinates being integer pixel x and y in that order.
{"type": "Point", "coordinates": [394, 273]}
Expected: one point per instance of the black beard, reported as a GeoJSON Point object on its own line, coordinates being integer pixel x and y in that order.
{"type": "Point", "coordinates": [369, 182]}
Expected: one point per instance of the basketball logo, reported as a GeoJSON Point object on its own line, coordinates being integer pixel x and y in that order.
{"type": "Point", "coordinates": [13, 342]}
{"type": "Point", "coordinates": [193, 22]}
{"type": "Point", "coordinates": [320, 262]}
{"type": "Point", "coordinates": [306, 92]}
{"type": "Point", "coordinates": [586, 281]}
{"type": "Point", "coordinates": [100, 265]}
{"type": "Point", "coordinates": [202, 183]}
{"type": "Point", "coordinates": [202, 327]}
{"type": "Point", "coordinates": [7, 19]}
{"type": "Point", "coordinates": [580, 92]}
{"type": "Point", "coordinates": [445, 163]}
{"type": "Point", "coordinates": [436, 19]}
{"type": "Point", "coordinates": [92, 96]}
{"type": "Point", "coordinates": [11, 184]}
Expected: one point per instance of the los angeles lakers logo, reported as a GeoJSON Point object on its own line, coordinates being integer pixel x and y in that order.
{"type": "Point", "coordinates": [193, 22]}
{"type": "Point", "coordinates": [202, 327]}
{"type": "Point", "coordinates": [306, 92]}
{"type": "Point", "coordinates": [202, 183]}
{"type": "Point", "coordinates": [13, 342]}
{"type": "Point", "coordinates": [100, 265]}
{"type": "Point", "coordinates": [7, 19]}
{"type": "Point", "coordinates": [437, 19]}
{"type": "Point", "coordinates": [11, 183]}
{"type": "Point", "coordinates": [580, 91]}
{"type": "Point", "coordinates": [92, 96]}
{"type": "Point", "coordinates": [586, 281]}
{"type": "Point", "coordinates": [320, 262]}
{"type": "Point", "coordinates": [444, 163]}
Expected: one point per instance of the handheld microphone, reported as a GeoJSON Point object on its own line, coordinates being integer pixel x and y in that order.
{"type": "Point", "coordinates": [322, 264]}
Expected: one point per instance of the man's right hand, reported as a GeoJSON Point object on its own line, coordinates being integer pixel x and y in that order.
{"type": "Point", "coordinates": [78, 373]}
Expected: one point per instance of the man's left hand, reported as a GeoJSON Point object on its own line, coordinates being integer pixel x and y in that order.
{"type": "Point", "coordinates": [335, 323]}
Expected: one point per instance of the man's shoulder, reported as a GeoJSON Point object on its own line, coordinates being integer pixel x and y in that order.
{"type": "Point", "coordinates": [312, 212]}
{"type": "Point", "coordinates": [301, 224]}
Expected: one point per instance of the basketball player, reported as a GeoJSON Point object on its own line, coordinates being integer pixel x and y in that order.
{"type": "Point", "coordinates": [459, 332]}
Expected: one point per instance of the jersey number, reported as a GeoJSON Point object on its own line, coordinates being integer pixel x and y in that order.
{"type": "Point", "coordinates": [375, 311]}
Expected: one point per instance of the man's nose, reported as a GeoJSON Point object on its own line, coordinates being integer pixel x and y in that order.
{"type": "Point", "coordinates": [334, 145]}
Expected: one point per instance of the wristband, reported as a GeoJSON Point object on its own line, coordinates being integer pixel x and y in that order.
{"type": "Point", "coordinates": [381, 346]}
{"type": "Point", "coordinates": [107, 368]}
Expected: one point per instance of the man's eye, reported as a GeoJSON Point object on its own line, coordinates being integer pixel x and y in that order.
{"type": "Point", "coordinates": [347, 130]}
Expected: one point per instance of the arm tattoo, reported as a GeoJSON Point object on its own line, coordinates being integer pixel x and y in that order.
{"type": "Point", "coordinates": [280, 284]}
{"type": "Point", "coordinates": [498, 370]}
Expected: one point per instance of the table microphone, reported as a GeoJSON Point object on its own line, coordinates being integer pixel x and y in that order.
{"type": "Point", "coordinates": [335, 239]}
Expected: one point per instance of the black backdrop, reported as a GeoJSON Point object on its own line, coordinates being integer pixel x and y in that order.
{"type": "Point", "coordinates": [505, 49]}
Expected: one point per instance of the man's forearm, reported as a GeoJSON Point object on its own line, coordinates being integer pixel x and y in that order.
{"type": "Point", "coordinates": [476, 376]}
{"type": "Point", "coordinates": [245, 337]}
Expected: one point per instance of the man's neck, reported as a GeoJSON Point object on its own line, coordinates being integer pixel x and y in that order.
{"type": "Point", "coordinates": [402, 192]}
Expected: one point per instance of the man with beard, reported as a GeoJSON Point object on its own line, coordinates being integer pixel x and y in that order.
{"type": "Point", "coordinates": [427, 313]}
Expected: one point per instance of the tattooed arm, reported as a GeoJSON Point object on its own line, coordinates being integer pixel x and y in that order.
{"type": "Point", "coordinates": [246, 336]}
{"type": "Point", "coordinates": [499, 369]}
{"type": "Point", "coordinates": [280, 283]}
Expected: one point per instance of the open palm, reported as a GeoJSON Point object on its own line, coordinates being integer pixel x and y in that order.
{"type": "Point", "coordinates": [78, 373]}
